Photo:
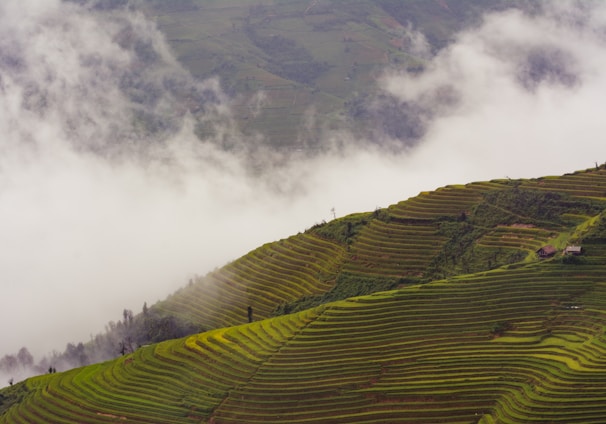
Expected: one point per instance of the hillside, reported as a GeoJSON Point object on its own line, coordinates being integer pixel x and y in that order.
{"type": "Point", "coordinates": [469, 325]}
{"type": "Point", "coordinates": [447, 232]}
{"type": "Point", "coordinates": [295, 69]}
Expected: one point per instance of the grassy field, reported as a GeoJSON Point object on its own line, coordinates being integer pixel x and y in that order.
{"type": "Point", "coordinates": [470, 326]}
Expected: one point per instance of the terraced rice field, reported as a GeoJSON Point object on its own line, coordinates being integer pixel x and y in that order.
{"type": "Point", "coordinates": [394, 249]}
{"type": "Point", "coordinates": [404, 243]}
{"type": "Point", "coordinates": [272, 274]}
{"type": "Point", "coordinates": [446, 201]}
{"type": "Point", "coordinates": [521, 343]}
{"type": "Point", "coordinates": [590, 183]}
{"type": "Point", "coordinates": [407, 243]}
{"type": "Point", "coordinates": [426, 353]}
{"type": "Point", "coordinates": [516, 237]}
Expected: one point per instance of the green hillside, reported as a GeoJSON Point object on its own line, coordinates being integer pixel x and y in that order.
{"type": "Point", "coordinates": [470, 325]}
{"type": "Point", "coordinates": [447, 232]}
{"type": "Point", "coordinates": [316, 63]}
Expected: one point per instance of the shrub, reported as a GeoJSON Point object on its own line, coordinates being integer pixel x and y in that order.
{"type": "Point", "coordinates": [499, 328]}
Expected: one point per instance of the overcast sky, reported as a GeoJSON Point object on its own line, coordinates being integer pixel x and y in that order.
{"type": "Point", "coordinates": [89, 229]}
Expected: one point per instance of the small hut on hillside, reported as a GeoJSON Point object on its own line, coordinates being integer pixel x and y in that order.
{"type": "Point", "coordinates": [546, 251]}
{"type": "Point", "coordinates": [573, 250]}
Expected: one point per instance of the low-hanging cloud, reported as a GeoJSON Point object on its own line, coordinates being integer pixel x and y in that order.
{"type": "Point", "coordinates": [107, 198]}
{"type": "Point", "coordinates": [121, 176]}
{"type": "Point", "coordinates": [523, 95]}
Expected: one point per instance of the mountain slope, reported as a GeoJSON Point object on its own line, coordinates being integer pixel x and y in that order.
{"type": "Point", "coordinates": [520, 342]}
{"type": "Point", "coordinates": [452, 230]}
{"type": "Point", "coordinates": [301, 67]}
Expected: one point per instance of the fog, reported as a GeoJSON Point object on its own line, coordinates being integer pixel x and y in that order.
{"type": "Point", "coordinates": [108, 199]}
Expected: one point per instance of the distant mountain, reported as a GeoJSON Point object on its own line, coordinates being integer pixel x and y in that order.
{"type": "Point", "coordinates": [298, 69]}
{"type": "Point", "coordinates": [440, 308]}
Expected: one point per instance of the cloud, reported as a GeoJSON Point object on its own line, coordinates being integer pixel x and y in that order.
{"type": "Point", "coordinates": [526, 93]}
{"type": "Point", "coordinates": [121, 176]}
{"type": "Point", "coordinates": [107, 198]}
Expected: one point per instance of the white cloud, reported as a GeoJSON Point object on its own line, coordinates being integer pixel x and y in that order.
{"type": "Point", "coordinates": [521, 110]}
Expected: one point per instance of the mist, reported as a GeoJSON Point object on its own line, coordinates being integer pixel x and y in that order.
{"type": "Point", "coordinates": [109, 199]}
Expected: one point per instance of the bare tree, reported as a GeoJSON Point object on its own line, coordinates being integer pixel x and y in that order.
{"type": "Point", "coordinates": [128, 317]}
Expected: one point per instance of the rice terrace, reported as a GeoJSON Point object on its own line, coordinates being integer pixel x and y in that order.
{"type": "Point", "coordinates": [470, 325]}
{"type": "Point", "coordinates": [191, 126]}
